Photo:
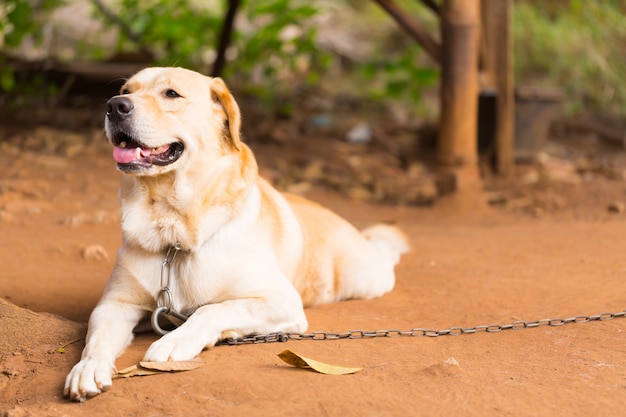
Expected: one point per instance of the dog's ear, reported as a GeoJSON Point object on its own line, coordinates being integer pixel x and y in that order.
{"type": "Point", "coordinates": [221, 95]}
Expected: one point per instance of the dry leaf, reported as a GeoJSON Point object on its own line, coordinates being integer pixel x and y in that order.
{"type": "Point", "coordinates": [152, 368]}
{"type": "Point", "coordinates": [134, 370]}
{"type": "Point", "coordinates": [173, 365]}
{"type": "Point", "coordinates": [301, 362]}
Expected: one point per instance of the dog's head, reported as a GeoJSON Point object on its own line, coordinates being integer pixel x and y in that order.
{"type": "Point", "coordinates": [164, 116]}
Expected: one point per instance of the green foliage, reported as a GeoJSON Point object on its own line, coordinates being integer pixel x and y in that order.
{"type": "Point", "coordinates": [401, 77]}
{"type": "Point", "coordinates": [20, 19]}
{"type": "Point", "coordinates": [390, 67]}
{"type": "Point", "coordinates": [278, 46]}
{"type": "Point", "coordinates": [176, 31]}
{"type": "Point", "coordinates": [577, 45]}
{"type": "Point", "coordinates": [273, 50]}
{"type": "Point", "coordinates": [275, 40]}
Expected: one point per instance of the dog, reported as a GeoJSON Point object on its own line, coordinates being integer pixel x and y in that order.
{"type": "Point", "coordinates": [247, 259]}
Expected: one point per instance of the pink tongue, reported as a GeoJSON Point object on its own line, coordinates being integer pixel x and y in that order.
{"type": "Point", "coordinates": [126, 155]}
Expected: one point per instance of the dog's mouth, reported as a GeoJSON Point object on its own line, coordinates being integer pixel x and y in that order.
{"type": "Point", "coordinates": [132, 155]}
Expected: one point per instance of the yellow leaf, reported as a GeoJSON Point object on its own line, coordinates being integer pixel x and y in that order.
{"type": "Point", "coordinates": [152, 368]}
{"type": "Point", "coordinates": [301, 362]}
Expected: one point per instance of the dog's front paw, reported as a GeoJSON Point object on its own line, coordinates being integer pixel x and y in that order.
{"type": "Point", "coordinates": [175, 346]}
{"type": "Point", "coordinates": [88, 378]}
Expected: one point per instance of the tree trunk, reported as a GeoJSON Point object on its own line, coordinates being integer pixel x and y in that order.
{"type": "Point", "coordinates": [225, 37]}
{"type": "Point", "coordinates": [457, 146]}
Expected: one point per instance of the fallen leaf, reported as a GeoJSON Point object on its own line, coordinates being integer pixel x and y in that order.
{"type": "Point", "coordinates": [306, 363]}
{"type": "Point", "coordinates": [134, 370]}
{"type": "Point", "coordinates": [173, 365]}
{"type": "Point", "coordinates": [151, 368]}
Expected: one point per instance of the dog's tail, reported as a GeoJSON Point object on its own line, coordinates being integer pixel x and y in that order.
{"type": "Point", "coordinates": [388, 238]}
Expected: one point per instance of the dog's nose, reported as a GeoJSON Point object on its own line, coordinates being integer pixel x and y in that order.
{"type": "Point", "coordinates": [119, 108]}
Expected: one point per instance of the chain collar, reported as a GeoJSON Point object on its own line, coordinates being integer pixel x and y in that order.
{"type": "Point", "coordinates": [164, 298]}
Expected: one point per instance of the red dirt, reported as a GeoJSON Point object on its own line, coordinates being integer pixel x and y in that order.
{"type": "Point", "coordinates": [467, 268]}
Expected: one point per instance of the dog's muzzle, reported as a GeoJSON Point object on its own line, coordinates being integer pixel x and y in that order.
{"type": "Point", "coordinates": [130, 153]}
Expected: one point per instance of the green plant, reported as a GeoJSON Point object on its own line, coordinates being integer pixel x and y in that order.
{"type": "Point", "coordinates": [389, 65]}
{"type": "Point", "coordinates": [20, 19]}
{"type": "Point", "coordinates": [577, 45]}
{"type": "Point", "coordinates": [278, 45]}
{"type": "Point", "coordinates": [401, 77]}
{"type": "Point", "coordinates": [176, 32]}
{"type": "Point", "coordinates": [275, 39]}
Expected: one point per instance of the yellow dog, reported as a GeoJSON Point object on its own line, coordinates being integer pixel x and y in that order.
{"type": "Point", "coordinates": [243, 258]}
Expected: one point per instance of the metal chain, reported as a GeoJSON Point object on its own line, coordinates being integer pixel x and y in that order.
{"type": "Point", "coordinates": [164, 298]}
{"type": "Point", "coordinates": [419, 332]}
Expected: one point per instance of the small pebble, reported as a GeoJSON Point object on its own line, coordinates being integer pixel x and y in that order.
{"type": "Point", "coordinates": [616, 207]}
{"type": "Point", "coordinates": [361, 133]}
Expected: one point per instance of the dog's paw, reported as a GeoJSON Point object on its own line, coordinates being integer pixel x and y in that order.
{"type": "Point", "coordinates": [88, 378]}
{"type": "Point", "coordinates": [175, 346]}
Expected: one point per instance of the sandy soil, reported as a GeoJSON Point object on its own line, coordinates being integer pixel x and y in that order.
{"type": "Point", "coordinates": [59, 224]}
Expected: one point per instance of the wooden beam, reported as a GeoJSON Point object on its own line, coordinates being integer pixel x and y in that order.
{"type": "Point", "coordinates": [413, 28]}
{"type": "Point", "coordinates": [498, 74]}
{"type": "Point", "coordinates": [460, 32]}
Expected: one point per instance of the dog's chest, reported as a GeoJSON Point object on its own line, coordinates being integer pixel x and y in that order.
{"type": "Point", "coordinates": [159, 224]}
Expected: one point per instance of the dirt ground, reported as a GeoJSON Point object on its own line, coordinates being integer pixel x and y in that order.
{"type": "Point", "coordinates": [550, 250]}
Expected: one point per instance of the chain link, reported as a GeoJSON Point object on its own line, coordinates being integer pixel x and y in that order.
{"type": "Point", "coordinates": [164, 298]}
{"type": "Point", "coordinates": [420, 332]}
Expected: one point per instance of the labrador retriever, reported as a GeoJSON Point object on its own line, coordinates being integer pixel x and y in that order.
{"type": "Point", "coordinates": [238, 257]}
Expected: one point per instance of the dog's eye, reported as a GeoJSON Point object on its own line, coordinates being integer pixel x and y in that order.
{"type": "Point", "coordinates": [171, 94]}
{"type": "Point", "coordinates": [125, 91]}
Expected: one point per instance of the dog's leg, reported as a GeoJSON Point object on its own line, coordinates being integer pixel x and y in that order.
{"type": "Point", "coordinates": [110, 331]}
{"type": "Point", "coordinates": [232, 318]}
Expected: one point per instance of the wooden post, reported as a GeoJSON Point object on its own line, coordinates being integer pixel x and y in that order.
{"type": "Point", "coordinates": [457, 146]}
{"type": "Point", "coordinates": [457, 152]}
{"type": "Point", "coordinates": [498, 74]}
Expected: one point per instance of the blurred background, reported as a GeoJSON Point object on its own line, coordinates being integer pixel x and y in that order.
{"type": "Point", "coordinates": [338, 89]}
